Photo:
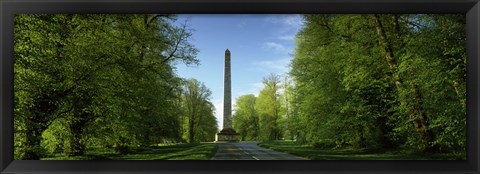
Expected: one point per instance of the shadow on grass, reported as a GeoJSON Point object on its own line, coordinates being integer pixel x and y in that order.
{"type": "Point", "coordinates": [313, 153]}
{"type": "Point", "coordinates": [201, 151]}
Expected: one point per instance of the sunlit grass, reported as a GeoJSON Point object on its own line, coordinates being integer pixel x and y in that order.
{"type": "Point", "coordinates": [201, 151]}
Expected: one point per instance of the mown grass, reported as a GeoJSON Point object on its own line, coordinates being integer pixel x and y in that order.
{"type": "Point", "coordinates": [313, 153]}
{"type": "Point", "coordinates": [201, 151]}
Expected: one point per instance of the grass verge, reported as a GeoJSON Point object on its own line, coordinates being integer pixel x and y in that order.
{"type": "Point", "coordinates": [313, 153]}
{"type": "Point", "coordinates": [200, 151]}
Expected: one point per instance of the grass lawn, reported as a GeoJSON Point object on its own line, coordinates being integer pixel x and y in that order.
{"type": "Point", "coordinates": [313, 153]}
{"type": "Point", "coordinates": [201, 151]}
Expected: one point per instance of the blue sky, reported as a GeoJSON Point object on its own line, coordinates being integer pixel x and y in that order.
{"type": "Point", "coordinates": [259, 45]}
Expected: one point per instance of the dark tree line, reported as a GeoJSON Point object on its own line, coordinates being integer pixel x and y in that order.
{"type": "Point", "coordinates": [98, 80]}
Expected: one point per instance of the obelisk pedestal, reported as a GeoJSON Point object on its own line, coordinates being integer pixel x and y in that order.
{"type": "Point", "coordinates": [227, 133]}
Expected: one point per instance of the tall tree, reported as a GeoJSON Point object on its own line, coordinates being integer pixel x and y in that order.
{"type": "Point", "coordinates": [378, 81]}
{"type": "Point", "coordinates": [40, 80]}
{"type": "Point", "coordinates": [414, 105]}
{"type": "Point", "coordinates": [84, 73]}
{"type": "Point", "coordinates": [245, 119]}
{"type": "Point", "coordinates": [195, 97]}
{"type": "Point", "coordinates": [269, 107]}
{"type": "Point", "coordinates": [292, 122]}
{"type": "Point", "coordinates": [207, 123]}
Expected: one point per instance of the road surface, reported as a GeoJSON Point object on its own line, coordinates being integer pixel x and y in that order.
{"type": "Point", "coordinates": [249, 151]}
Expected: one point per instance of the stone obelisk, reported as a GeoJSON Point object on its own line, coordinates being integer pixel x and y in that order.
{"type": "Point", "coordinates": [227, 94]}
{"type": "Point", "coordinates": [227, 133]}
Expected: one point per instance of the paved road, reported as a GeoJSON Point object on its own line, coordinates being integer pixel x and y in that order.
{"type": "Point", "coordinates": [249, 151]}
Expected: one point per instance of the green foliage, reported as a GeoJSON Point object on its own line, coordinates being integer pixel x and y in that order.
{"type": "Point", "coordinates": [84, 82]}
{"type": "Point", "coordinates": [291, 122]}
{"type": "Point", "coordinates": [268, 108]}
{"type": "Point", "coordinates": [199, 121]}
{"type": "Point", "coordinates": [98, 80]}
{"type": "Point", "coordinates": [245, 119]}
{"type": "Point", "coordinates": [354, 88]}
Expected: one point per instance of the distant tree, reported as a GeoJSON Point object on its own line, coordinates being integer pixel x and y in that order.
{"type": "Point", "coordinates": [291, 121]}
{"type": "Point", "coordinates": [269, 107]}
{"type": "Point", "coordinates": [207, 123]}
{"type": "Point", "coordinates": [195, 97]}
{"type": "Point", "coordinates": [245, 119]}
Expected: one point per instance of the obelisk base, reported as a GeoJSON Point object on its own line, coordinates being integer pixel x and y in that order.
{"type": "Point", "coordinates": [227, 135]}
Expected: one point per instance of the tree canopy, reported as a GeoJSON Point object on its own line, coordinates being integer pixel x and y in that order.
{"type": "Point", "coordinates": [100, 80]}
{"type": "Point", "coordinates": [371, 81]}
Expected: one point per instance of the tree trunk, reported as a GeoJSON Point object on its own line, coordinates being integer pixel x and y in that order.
{"type": "Point", "coordinates": [415, 111]}
{"type": "Point", "coordinates": [77, 146]}
{"type": "Point", "coordinates": [78, 123]}
{"type": "Point", "coordinates": [191, 124]}
{"type": "Point", "coordinates": [33, 139]}
{"type": "Point", "coordinates": [38, 122]}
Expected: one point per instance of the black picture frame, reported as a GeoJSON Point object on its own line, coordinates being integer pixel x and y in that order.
{"type": "Point", "coordinates": [8, 8]}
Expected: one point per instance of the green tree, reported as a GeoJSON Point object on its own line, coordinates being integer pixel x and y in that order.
{"type": "Point", "coordinates": [381, 81]}
{"type": "Point", "coordinates": [195, 97]}
{"type": "Point", "coordinates": [245, 119]}
{"type": "Point", "coordinates": [268, 106]}
{"type": "Point", "coordinates": [85, 73]}
{"type": "Point", "coordinates": [207, 123]}
{"type": "Point", "coordinates": [40, 81]}
{"type": "Point", "coordinates": [433, 63]}
{"type": "Point", "coordinates": [291, 121]}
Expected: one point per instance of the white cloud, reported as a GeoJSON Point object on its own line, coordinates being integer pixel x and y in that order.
{"type": "Point", "coordinates": [254, 88]}
{"type": "Point", "coordinates": [242, 24]}
{"type": "Point", "coordinates": [257, 87]}
{"type": "Point", "coordinates": [295, 22]}
{"type": "Point", "coordinates": [286, 37]}
{"type": "Point", "coordinates": [279, 66]}
{"type": "Point", "coordinates": [276, 47]}
{"type": "Point", "coordinates": [285, 26]}
{"type": "Point", "coordinates": [288, 23]}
